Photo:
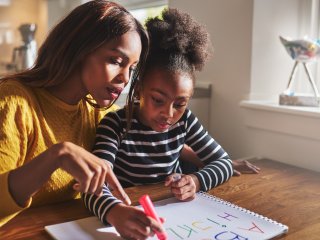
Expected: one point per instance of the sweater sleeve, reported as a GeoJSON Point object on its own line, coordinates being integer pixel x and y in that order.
{"type": "Point", "coordinates": [16, 126]}
{"type": "Point", "coordinates": [218, 166]}
{"type": "Point", "coordinates": [108, 138]}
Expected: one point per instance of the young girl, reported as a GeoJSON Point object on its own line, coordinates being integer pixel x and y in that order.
{"type": "Point", "coordinates": [143, 141]}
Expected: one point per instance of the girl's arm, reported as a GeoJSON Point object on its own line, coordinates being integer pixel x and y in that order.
{"type": "Point", "coordinates": [105, 147]}
{"type": "Point", "coordinates": [214, 163]}
{"type": "Point", "coordinates": [217, 164]}
{"type": "Point", "coordinates": [100, 205]}
{"type": "Point", "coordinates": [129, 221]}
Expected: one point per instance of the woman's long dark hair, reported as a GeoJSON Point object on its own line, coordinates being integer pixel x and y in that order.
{"type": "Point", "coordinates": [82, 31]}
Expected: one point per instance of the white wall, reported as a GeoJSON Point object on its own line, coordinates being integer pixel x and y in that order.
{"type": "Point", "coordinates": [250, 62]}
{"type": "Point", "coordinates": [229, 23]}
{"type": "Point", "coordinates": [292, 136]}
{"type": "Point", "coordinates": [59, 9]}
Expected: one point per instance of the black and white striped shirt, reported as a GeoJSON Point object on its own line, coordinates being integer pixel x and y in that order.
{"type": "Point", "coordinates": [144, 156]}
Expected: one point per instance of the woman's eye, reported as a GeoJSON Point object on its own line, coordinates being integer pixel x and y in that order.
{"type": "Point", "coordinates": [115, 61]}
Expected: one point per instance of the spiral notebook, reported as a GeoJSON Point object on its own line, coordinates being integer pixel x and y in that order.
{"type": "Point", "coordinates": [206, 217]}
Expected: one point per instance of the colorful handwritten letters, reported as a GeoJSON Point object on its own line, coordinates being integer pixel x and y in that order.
{"type": "Point", "coordinates": [208, 219]}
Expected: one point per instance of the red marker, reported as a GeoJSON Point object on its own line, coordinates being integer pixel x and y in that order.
{"type": "Point", "coordinates": [148, 207]}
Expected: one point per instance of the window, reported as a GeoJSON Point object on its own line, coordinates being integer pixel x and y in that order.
{"type": "Point", "coordinates": [4, 3]}
{"type": "Point", "coordinates": [309, 27]}
{"type": "Point", "coordinates": [315, 33]}
{"type": "Point", "coordinates": [143, 9]}
{"type": "Point", "coordinates": [144, 13]}
{"type": "Point", "coordinates": [270, 64]}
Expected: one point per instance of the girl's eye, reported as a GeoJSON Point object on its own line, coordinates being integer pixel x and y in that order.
{"type": "Point", "coordinates": [179, 106]}
{"type": "Point", "coordinates": [157, 100]}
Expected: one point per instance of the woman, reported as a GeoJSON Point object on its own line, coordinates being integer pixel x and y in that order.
{"type": "Point", "coordinates": [49, 113]}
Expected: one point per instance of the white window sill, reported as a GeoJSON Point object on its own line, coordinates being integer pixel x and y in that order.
{"type": "Point", "coordinates": [275, 107]}
{"type": "Point", "coordinates": [290, 120]}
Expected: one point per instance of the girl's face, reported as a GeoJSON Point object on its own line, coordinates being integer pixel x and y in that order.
{"type": "Point", "coordinates": [163, 98]}
{"type": "Point", "coordinates": [107, 70]}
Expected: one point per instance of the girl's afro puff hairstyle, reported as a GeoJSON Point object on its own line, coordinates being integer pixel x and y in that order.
{"type": "Point", "coordinates": [178, 42]}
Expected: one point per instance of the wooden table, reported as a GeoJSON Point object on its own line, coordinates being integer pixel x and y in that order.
{"type": "Point", "coordinates": [287, 194]}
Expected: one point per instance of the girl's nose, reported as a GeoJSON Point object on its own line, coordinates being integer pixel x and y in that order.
{"type": "Point", "coordinates": [168, 110]}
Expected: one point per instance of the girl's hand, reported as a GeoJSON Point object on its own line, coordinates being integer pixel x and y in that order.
{"type": "Point", "coordinates": [184, 187]}
{"type": "Point", "coordinates": [132, 223]}
{"type": "Point", "coordinates": [243, 166]}
{"type": "Point", "coordinates": [89, 171]}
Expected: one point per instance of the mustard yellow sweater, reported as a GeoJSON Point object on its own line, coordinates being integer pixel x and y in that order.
{"type": "Point", "coordinates": [31, 120]}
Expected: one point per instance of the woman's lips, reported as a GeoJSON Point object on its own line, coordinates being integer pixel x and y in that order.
{"type": "Point", "coordinates": [114, 92]}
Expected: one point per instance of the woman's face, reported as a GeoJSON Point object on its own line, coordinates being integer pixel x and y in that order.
{"type": "Point", "coordinates": [164, 97]}
{"type": "Point", "coordinates": [107, 70]}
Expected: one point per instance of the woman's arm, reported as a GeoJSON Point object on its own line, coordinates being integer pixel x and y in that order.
{"type": "Point", "coordinates": [188, 155]}
{"type": "Point", "coordinates": [25, 167]}
{"type": "Point", "coordinates": [241, 166]}
{"type": "Point", "coordinates": [89, 171]}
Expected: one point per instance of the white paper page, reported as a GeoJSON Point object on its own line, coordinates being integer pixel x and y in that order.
{"type": "Point", "coordinates": [201, 219]}
{"type": "Point", "coordinates": [83, 229]}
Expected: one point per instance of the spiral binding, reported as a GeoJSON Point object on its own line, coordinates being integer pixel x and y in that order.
{"type": "Point", "coordinates": [216, 199]}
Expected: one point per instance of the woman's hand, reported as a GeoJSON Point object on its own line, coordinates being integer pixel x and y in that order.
{"type": "Point", "coordinates": [132, 223]}
{"type": "Point", "coordinates": [243, 166]}
{"type": "Point", "coordinates": [89, 171]}
{"type": "Point", "coordinates": [183, 187]}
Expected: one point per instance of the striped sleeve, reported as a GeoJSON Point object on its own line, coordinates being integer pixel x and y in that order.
{"type": "Point", "coordinates": [108, 137]}
{"type": "Point", "coordinates": [106, 145]}
{"type": "Point", "coordinates": [218, 166]}
{"type": "Point", "coordinates": [100, 206]}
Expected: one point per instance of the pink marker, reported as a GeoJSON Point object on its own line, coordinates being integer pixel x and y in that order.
{"type": "Point", "coordinates": [148, 207]}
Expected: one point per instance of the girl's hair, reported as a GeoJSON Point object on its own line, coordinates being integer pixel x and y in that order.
{"type": "Point", "coordinates": [177, 44]}
{"type": "Point", "coordinates": [82, 31]}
